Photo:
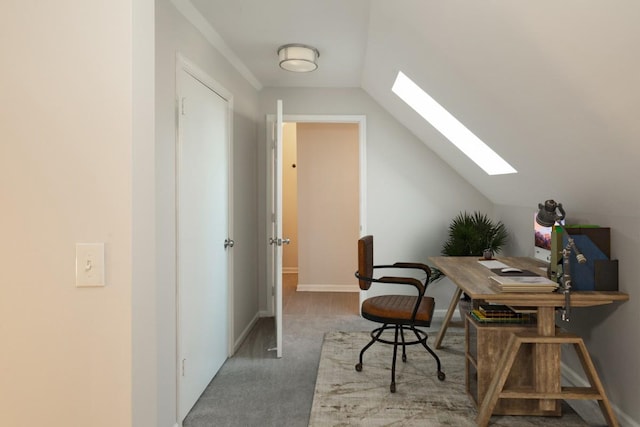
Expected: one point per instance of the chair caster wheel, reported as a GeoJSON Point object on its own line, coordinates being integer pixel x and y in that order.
{"type": "Point", "coordinates": [392, 387]}
{"type": "Point", "coordinates": [359, 367]}
{"type": "Point", "coordinates": [441, 376]}
{"type": "Point", "coordinates": [404, 358]}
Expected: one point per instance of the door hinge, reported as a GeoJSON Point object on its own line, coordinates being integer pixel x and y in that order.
{"type": "Point", "coordinates": [273, 290]}
{"type": "Point", "coordinates": [182, 109]}
{"type": "Point", "coordinates": [183, 363]}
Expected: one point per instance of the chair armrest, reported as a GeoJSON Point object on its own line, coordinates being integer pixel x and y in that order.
{"type": "Point", "coordinates": [402, 281]}
{"type": "Point", "coordinates": [416, 283]}
{"type": "Point", "coordinates": [409, 265]}
{"type": "Point", "coordinates": [414, 265]}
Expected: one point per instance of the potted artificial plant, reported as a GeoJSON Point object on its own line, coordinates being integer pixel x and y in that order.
{"type": "Point", "coordinates": [471, 235]}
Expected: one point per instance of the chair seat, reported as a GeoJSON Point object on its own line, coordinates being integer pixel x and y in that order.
{"type": "Point", "coordinates": [398, 309]}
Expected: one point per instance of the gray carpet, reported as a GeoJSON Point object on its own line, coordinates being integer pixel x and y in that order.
{"type": "Point", "coordinates": [346, 397]}
{"type": "Point", "coordinates": [253, 388]}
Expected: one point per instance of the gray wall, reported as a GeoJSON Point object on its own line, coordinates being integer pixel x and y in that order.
{"type": "Point", "coordinates": [174, 34]}
{"type": "Point", "coordinates": [610, 332]}
{"type": "Point", "coordinates": [411, 194]}
{"type": "Point", "coordinates": [75, 165]}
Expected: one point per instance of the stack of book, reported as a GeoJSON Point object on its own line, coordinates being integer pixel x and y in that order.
{"type": "Point", "coordinates": [498, 313]}
{"type": "Point", "coordinates": [524, 283]}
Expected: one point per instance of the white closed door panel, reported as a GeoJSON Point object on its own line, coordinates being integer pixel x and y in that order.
{"type": "Point", "coordinates": [202, 200]}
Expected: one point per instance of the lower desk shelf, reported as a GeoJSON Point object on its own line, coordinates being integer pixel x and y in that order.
{"type": "Point", "coordinates": [485, 343]}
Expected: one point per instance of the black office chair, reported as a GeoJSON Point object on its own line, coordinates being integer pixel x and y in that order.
{"type": "Point", "coordinates": [398, 312]}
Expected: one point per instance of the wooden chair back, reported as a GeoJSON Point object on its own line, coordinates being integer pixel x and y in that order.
{"type": "Point", "coordinates": [365, 262]}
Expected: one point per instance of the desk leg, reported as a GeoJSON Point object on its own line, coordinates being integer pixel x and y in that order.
{"type": "Point", "coordinates": [594, 380]}
{"type": "Point", "coordinates": [547, 375]}
{"type": "Point", "coordinates": [496, 388]}
{"type": "Point", "coordinates": [447, 318]}
{"type": "Point", "coordinates": [486, 407]}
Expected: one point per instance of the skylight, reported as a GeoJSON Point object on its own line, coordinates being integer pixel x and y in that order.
{"type": "Point", "coordinates": [450, 127]}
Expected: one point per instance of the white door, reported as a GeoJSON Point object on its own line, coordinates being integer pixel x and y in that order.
{"type": "Point", "coordinates": [276, 240]}
{"type": "Point", "coordinates": [202, 229]}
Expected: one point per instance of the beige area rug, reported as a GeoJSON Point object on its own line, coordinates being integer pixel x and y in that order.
{"type": "Point", "coordinates": [344, 397]}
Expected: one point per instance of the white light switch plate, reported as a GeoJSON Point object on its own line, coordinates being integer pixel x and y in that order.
{"type": "Point", "coordinates": [89, 264]}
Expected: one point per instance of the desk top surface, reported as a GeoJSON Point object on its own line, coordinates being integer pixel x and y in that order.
{"type": "Point", "coordinates": [472, 277]}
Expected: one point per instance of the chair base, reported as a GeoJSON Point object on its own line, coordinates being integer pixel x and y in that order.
{"type": "Point", "coordinates": [421, 338]}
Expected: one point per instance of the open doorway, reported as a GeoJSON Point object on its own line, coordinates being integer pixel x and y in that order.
{"type": "Point", "coordinates": [321, 215]}
{"type": "Point", "coordinates": [276, 214]}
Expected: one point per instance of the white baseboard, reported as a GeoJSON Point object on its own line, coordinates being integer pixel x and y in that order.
{"type": "Point", "coordinates": [327, 288]}
{"type": "Point", "coordinates": [440, 313]}
{"type": "Point", "coordinates": [289, 270]}
{"type": "Point", "coordinates": [571, 378]}
{"type": "Point", "coordinates": [265, 313]}
{"type": "Point", "coordinates": [591, 407]}
{"type": "Point", "coordinates": [245, 332]}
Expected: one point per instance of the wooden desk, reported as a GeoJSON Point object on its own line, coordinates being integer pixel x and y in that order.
{"type": "Point", "coordinates": [471, 277]}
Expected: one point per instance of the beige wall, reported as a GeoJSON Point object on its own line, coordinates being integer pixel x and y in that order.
{"type": "Point", "coordinates": [328, 203]}
{"type": "Point", "coordinates": [289, 198]}
{"type": "Point", "coordinates": [65, 177]}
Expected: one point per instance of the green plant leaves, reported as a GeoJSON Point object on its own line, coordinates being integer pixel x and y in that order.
{"type": "Point", "coordinates": [469, 235]}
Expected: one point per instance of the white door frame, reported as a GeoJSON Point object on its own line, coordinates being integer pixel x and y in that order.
{"type": "Point", "coordinates": [183, 64]}
{"type": "Point", "coordinates": [361, 121]}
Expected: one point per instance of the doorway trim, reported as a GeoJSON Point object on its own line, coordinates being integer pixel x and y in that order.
{"type": "Point", "coordinates": [361, 121]}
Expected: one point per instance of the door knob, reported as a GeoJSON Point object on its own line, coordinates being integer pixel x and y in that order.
{"type": "Point", "coordinates": [228, 243]}
{"type": "Point", "coordinates": [278, 242]}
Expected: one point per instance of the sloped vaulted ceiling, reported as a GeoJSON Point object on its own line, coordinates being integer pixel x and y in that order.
{"type": "Point", "coordinates": [551, 86]}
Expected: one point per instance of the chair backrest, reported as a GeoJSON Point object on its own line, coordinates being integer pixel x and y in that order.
{"type": "Point", "coordinates": [365, 261]}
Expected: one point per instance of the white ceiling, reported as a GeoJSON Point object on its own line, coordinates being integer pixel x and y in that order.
{"type": "Point", "coordinates": [551, 86]}
{"type": "Point", "coordinates": [254, 29]}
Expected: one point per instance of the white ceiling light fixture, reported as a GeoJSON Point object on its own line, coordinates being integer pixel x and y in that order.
{"type": "Point", "coordinates": [298, 58]}
{"type": "Point", "coordinates": [450, 127]}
